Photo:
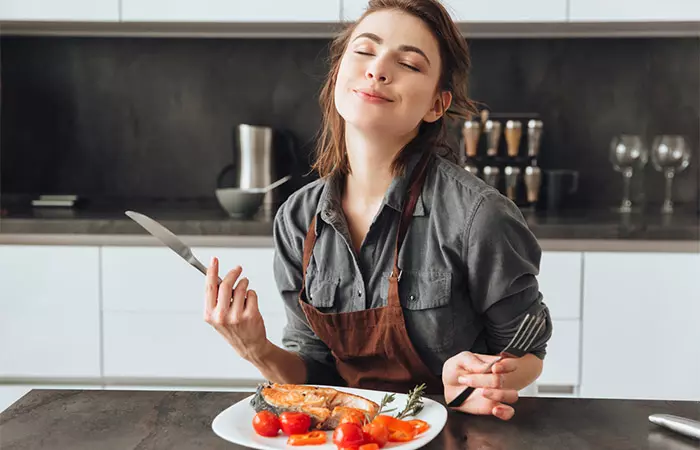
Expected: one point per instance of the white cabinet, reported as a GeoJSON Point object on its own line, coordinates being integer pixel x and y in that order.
{"type": "Point", "coordinates": [60, 10]}
{"type": "Point", "coordinates": [154, 325]}
{"type": "Point", "coordinates": [560, 283]}
{"type": "Point", "coordinates": [49, 312]}
{"type": "Point", "coordinates": [640, 326]}
{"type": "Point", "coordinates": [560, 373]}
{"type": "Point", "coordinates": [633, 10]}
{"type": "Point", "coordinates": [230, 11]}
{"type": "Point", "coordinates": [481, 11]}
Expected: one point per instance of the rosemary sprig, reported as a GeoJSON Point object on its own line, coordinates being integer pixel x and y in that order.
{"type": "Point", "coordinates": [388, 398]}
{"type": "Point", "coordinates": [414, 402]}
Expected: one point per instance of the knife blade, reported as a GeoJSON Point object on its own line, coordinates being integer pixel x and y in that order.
{"type": "Point", "coordinates": [168, 238]}
{"type": "Point", "coordinates": [682, 425]}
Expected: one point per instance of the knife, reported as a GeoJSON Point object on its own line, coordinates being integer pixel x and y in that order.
{"type": "Point", "coordinates": [687, 427]}
{"type": "Point", "coordinates": [168, 238]}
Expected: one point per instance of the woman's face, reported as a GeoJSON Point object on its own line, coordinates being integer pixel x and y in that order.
{"type": "Point", "coordinates": [388, 75]}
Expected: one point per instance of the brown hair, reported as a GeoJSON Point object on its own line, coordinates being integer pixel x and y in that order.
{"type": "Point", "coordinates": [331, 154]}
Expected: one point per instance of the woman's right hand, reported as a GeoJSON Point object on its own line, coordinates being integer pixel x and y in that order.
{"type": "Point", "coordinates": [236, 317]}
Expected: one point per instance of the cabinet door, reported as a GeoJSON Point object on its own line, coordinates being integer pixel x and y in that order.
{"type": "Point", "coordinates": [153, 314]}
{"type": "Point", "coordinates": [480, 11]}
{"type": "Point", "coordinates": [560, 372]}
{"type": "Point", "coordinates": [49, 312]}
{"type": "Point", "coordinates": [64, 10]}
{"type": "Point", "coordinates": [230, 11]}
{"type": "Point", "coordinates": [634, 10]}
{"type": "Point", "coordinates": [560, 283]}
{"type": "Point", "coordinates": [640, 326]}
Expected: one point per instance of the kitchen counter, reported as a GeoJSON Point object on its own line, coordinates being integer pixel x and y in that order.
{"type": "Point", "coordinates": [105, 419]}
{"type": "Point", "coordinates": [204, 223]}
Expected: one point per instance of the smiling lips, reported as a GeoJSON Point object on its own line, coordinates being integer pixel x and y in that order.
{"type": "Point", "coordinates": [371, 96]}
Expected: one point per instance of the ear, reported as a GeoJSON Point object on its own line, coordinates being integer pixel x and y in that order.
{"type": "Point", "coordinates": [440, 105]}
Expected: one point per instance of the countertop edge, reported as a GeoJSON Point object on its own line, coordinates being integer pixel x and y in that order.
{"type": "Point", "coordinates": [247, 241]}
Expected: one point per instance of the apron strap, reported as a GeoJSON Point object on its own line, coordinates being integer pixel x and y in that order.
{"type": "Point", "coordinates": [309, 243]}
{"type": "Point", "coordinates": [417, 180]}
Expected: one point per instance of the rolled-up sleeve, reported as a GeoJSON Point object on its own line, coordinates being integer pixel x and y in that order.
{"type": "Point", "coordinates": [502, 259]}
{"type": "Point", "coordinates": [298, 336]}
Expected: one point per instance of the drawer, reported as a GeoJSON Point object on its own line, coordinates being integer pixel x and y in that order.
{"type": "Point", "coordinates": [560, 283]}
{"type": "Point", "coordinates": [142, 345]}
{"type": "Point", "coordinates": [156, 279]}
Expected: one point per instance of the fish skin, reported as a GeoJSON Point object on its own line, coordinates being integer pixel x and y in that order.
{"type": "Point", "coordinates": [325, 406]}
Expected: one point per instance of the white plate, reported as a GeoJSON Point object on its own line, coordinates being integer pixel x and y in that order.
{"type": "Point", "coordinates": [235, 424]}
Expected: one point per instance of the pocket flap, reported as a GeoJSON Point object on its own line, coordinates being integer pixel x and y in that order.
{"type": "Point", "coordinates": [321, 293]}
{"type": "Point", "coordinates": [424, 289]}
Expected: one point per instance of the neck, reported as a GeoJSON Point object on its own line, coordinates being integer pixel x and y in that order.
{"type": "Point", "coordinates": [370, 159]}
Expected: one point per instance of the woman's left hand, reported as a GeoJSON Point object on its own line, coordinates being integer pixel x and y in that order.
{"type": "Point", "coordinates": [493, 394]}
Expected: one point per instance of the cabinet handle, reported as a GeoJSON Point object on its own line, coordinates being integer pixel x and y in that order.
{"type": "Point", "coordinates": [556, 389]}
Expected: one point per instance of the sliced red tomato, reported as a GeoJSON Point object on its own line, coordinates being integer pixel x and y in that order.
{"type": "Point", "coordinates": [376, 433]}
{"type": "Point", "coordinates": [294, 423]}
{"type": "Point", "coordinates": [420, 426]}
{"type": "Point", "coordinates": [266, 424]}
{"type": "Point", "coordinates": [401, 436]}
{"type": "Point", "coordinates": [312, 438]}
{"type": "Point", "coordinates": [348, 435]}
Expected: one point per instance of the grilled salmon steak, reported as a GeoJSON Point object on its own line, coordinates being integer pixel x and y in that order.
{"type": "Point", "coordinates": [325, 406]}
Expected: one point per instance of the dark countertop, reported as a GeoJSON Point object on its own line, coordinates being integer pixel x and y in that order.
{"type": "Point", "coordinates": [105, 419]}
{"type": "Point", "coordinates": [207, 219]}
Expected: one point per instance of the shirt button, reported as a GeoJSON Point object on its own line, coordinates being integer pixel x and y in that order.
{"type": "Point", "coordinates": [411, 297]}
{"type": "Point", "coordinates": [359, 292]}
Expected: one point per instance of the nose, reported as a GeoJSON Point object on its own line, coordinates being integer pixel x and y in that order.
{"type": "Point", "coordinates": [378, 72]}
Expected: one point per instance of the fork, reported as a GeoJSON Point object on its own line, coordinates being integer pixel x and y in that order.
{"type": "Point", "coordinates": [529, 329]}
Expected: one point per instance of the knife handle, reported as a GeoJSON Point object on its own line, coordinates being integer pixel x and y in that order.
{"type": "Point", "coordinates": [682, 425]}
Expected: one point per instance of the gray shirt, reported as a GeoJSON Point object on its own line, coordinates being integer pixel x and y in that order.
{"type": "Point", "coordinates": [469, 266]}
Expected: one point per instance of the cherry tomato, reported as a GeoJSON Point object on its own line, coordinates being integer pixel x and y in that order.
{"type": "Point", "coordinates": [294, 423]}
{"type": "Point", "coordinates": [312, 438]}
{"type": "Point", "coordinates": [376, 433]}
{"type": "Point", "coordinates": [348, 435]}
{"type": "Point", "coordinates": [419, 425]}
{"type": "Point", "coordinates": [372, 446]}
{"type": "Point", "coordinates": [266, 424]}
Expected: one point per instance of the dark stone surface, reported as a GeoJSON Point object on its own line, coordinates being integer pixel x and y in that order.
{"type": "Point", "coordinates": [76, 420]}
{"type": "Point", "coordinates": [154, 117]}
{"type": "Point", "coordinates": [207, 219]}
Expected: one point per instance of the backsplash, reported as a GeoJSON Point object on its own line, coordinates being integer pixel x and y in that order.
{"type": "Point", "coordinates": [147, 117]}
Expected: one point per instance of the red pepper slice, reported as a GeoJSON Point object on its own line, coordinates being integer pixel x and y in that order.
{"type": "Point", "coordinates": [311, 438]}
{"type": "Point", "coordinates": [419, 425]}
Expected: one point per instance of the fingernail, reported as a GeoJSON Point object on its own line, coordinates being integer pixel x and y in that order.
{"type": "Point", "coordinates": [463, 380]}
{"type": "Point", "coordinates": [212, 261]}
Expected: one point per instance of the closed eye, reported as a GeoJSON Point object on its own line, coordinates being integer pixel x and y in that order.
{"type": "Point", "coordinates": [415, 69]}
{"type": "Point", "coordinates": [362, 53]}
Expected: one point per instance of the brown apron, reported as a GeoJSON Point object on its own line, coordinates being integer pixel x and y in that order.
{"type": "Point", "coordinates": [371, 347]}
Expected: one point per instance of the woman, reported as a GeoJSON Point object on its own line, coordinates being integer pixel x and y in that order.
{"type": "Point", "coordinates": [397, 267]}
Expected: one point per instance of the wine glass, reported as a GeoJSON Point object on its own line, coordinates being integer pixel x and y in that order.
{"type": "Point", "coordinates": [670, 155]}
{"type": "Point", "coordinates": [627, 153]}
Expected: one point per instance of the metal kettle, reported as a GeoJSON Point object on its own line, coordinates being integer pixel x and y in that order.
{"type": "Point", "coordinates": [257, 159]}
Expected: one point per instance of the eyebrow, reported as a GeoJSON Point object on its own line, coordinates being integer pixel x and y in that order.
{"type": "Point", "coordinates": [402, 48]}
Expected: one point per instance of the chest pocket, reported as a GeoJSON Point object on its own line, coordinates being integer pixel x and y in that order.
{"type": "Point", "coordinates": [321, 293]}
{"type": "Point", "coordinates": [425, 298]}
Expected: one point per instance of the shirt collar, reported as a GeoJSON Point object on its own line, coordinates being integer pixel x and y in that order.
{"type": "Point", "coordinates": [329, 204]}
